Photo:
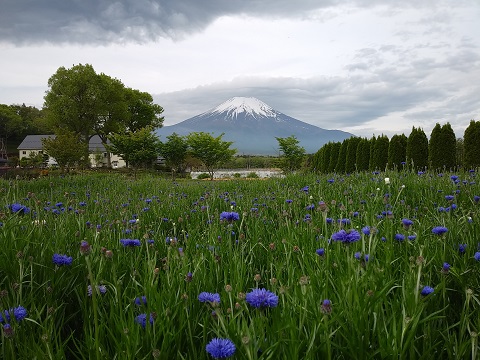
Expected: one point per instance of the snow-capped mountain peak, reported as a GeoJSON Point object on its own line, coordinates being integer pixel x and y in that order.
{"type": "Point", "coordinates": [248, 105]}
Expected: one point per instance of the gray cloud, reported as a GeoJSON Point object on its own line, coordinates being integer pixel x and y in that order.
{"type": "Point", "coordinates": [141, 21]}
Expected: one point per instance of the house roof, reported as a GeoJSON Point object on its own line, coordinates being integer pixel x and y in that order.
{"type": "Point", "coordinates": [34, 142]}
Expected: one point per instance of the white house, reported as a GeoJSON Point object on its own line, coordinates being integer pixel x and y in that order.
{"type": "Point", "coordinates": [32, 145]}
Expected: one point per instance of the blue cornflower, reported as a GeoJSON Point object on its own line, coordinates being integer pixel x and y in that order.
{"type": "Point", "coordinates": [60, 260]}
{"type": "Point", "coordinates": [477, 256]}
{"type": "Point", "coordinates": [462, 248]}
{"type": "Point", "coordinates": [427, 290]}
{"type": "Point", "coordinates": [20, 313]}
{"type": "Point", "coordinates": [220, 348]}
{"type": "Point", "coordinates": [229, 216]}
{"type": "Point", "coordinates": [446, 268]}
{"type": "Point", "coordinates": [407, 223]}
{"type": "Point", "coordinates": [141, 300]}
{"type": "Point", "coordinates": [412, 237]}
{"type": "Point", "coordinates": [260, 298]}
{"type": "Point", "coordinates": [449, 197]}
{"type": "Point", "coordinates": [320, 252]}
{"type": "Point", "coordinates": [142, 320]}
{"type": "Point", "coordinates": [358, 255]}
{"type": "Point", "coordinates": [366, 230]}
{"type": "Point", "coordinates": [326, 307]}
{"type": "Point", "coordinates": [19, 208]}
{"type": "Point", "coordinates": [346, 236]}
{"type": "Point", "coordinates": [399, 237]}
{"type": "Point", "coordinates": [476, 198]}
{"type": "Point", "coordinates": [130, 242]}
{"type": "Point", "coordinates": [439, 230]}
{"type": "Point", "coordinates": [305, 189]}
{"type": "Point", "coordinates": [209, 297]}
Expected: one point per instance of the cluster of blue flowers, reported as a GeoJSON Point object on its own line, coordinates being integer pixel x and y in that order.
{"type": "Point", "coordinates": [346, 237]}
{"type": "Point", "coordinates": [19, 313]}
{"type": "Point", "coordinates": [229, 216]}
{"type": "Point", "coordinates": [61, 260]}
{"type": "Point", "coordinates": [19, 209]}
{"type": "Point", "coordinates": [130, 242]}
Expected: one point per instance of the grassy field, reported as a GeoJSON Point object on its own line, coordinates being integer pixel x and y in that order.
{"type": "Point", "coordinates": [303, 267]}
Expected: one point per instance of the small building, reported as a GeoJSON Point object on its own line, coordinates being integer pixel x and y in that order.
{"type": "Point", "coordinates": [98, 155]}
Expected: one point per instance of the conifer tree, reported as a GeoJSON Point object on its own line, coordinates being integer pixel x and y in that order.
{"type": "Point", "coordinates": [449, 147]}
{"type": "Point", "coordinates": [326, 156]}
{"type": "Point", "coordinates": [342, 157]}
{"type": "Point", "coordinates": [371, 164]}
{"type": "Point", "coordinates": [397, 151]}
{"type": "Point", "coordinates": [380, 152]}
{"type": "Point", "coordinates": [417, 149]}
{"type": "Point", "coordinates": [334, 153]}
{"type": "Point", "coordinates": [351, 156]}
{"type": "Point", "coordinates": [471, 140]}
{"type": "Point", "coordinates": [363, 155]}
{"type": "Point", "coordinates": [435, 151]}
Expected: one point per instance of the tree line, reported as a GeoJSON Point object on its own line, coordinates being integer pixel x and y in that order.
{"type": "Point", "coordinates": [442, 152]}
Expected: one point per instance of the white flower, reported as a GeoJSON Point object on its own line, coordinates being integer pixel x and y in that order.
{"type": "Point", "coordinates": [311, 197]}
{"type": "Point", "coordinates": [387, 181]}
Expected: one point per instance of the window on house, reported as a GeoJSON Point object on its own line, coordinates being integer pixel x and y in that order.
{"type": "Point", "coordinates": [104, 154]}
{"type": "Point", "coordinates": [24, 152]}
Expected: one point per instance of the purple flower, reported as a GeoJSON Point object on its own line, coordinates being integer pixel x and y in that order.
{"type": "Point", "coordinates": [60, 260]}
{"type": "Point", "coordinates": [20, 313]}
{"type": "Point", "coordinates": [130, 242]}
{"type": "Point", "coordinates": [439, 230]}
{"type": "Point", "coordinates": [399, 237]}
{"type": "Point", "coordinates": [427, 290]}
{"type": "Point", "coordinates": [142, 320]}
{"type": "Point", "coordinates": [220, 348]}
{"type": "Point", "coordinates": [326, 307]}
{"type": "Point", "coordinates": [412, 237]}
{"type": "Point", "coordinates": [261, 298]}
{"type": "Point", "coordinates": [229, 216]}
{"type": "Point", "coordinates": [19, 208]}
{"type": "Point", "coordinates": [366, 230]}
{"type": "Point", "coordinates": [141, 300]}
{"type": "Point", "coordinates": [346, 237]}
{"type": "Point", "coordinates": [320, 252]}
{"type": "Point", "coordinates": [446, 268]}
{"type": "Point", "coordinates": [358, 255]}
{"type": "Point", "coordinates": [477, 256]}
{"type": "Point", "coordinates": [462, 248]}
{"type": "Point", "coordinates": [209, 297]}
{"type": "Point", "coordinates": [407, 223]}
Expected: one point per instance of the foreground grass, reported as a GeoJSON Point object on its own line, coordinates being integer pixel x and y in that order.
{"type": "Point", "coordinates": [281, 242]}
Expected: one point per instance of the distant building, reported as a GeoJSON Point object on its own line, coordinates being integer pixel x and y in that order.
{"type": "Point", "coordinates": [98, 155]}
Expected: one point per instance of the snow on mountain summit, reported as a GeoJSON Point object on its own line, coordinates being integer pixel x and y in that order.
{"type": "Point", "coordinates": [248, 105]}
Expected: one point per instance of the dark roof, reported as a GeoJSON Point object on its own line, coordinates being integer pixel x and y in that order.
{"type": "Point", "coordinates": [33, 142]}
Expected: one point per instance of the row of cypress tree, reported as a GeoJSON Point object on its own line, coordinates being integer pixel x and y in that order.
{"type": "Point", "coordinates": [442, 152]}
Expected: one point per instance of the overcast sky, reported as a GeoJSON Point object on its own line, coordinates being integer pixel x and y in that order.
{"type": "Point", "coordinates": [363, 66]}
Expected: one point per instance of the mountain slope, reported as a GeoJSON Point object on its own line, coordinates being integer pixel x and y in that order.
{"type": "Point", "coordinates": [253, 125]}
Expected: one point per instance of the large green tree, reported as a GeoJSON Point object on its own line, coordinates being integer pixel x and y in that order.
{"type": "Point", "coordinates": [417, 149]}
{"type": "Point", "coordinates": [87, 103]}
{"type": "Point", "coordinates": [333, 156]}
{"type": "Point", "coordinates": [449, 141]}
{"type": "Point", "coordinates": [293, 153]}
{"type": "Point", "coordinates": [471, 145]}
{"type": "Point", "coordinates": [211, 151]}
{"type": "Point", "coordinates": [10, 122]}
{"type": "Point", "coordinates": [175, 152]}
{"type": "Point", "coordinates": [342, 157]}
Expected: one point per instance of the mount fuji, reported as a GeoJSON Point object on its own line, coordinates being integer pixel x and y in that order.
{"type": "Point", "coordinates": [252, 125]}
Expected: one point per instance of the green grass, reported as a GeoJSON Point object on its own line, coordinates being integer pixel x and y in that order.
{"type": "Point", "coordinates": [377, 308]}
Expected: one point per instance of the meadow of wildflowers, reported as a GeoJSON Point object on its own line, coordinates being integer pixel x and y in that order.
{"type": "Point", "coordinates": [303, 267]}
